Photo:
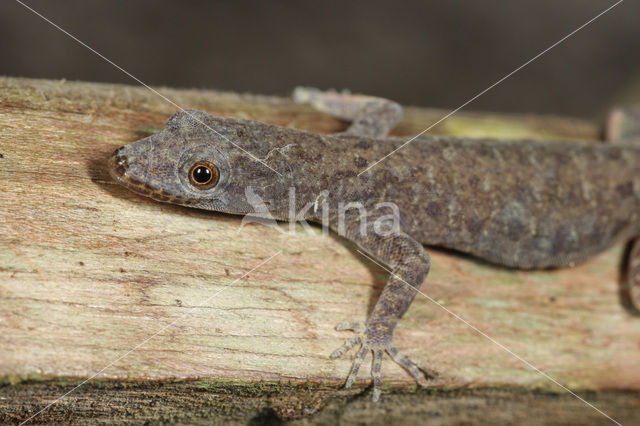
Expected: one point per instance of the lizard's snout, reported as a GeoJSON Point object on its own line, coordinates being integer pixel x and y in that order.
{"type": "Point", "coordinates": [118, 163]}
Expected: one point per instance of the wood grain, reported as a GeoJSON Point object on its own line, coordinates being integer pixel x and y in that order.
{"type": "Point", "coordinates": [88, 271]}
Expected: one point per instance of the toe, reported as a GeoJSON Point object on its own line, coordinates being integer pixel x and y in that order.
{"type": "Point", "coordinates": [353, 326]}
{"type": "Point", "coordinates": [357, 362]}
{"type": "Point", "coordinates": [410, 366]}
{"type": "Point", "coordinates": [375, 373]}
{"type": "Point", "coordinates": [345, 347]}
{"type": "Point", "coordinates": [304, 95]}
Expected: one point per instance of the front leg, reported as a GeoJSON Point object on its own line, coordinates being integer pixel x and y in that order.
{"type": "Point", "coordinates": [370, 116]}
{"type": "Point", "coordinates": [409, 263]}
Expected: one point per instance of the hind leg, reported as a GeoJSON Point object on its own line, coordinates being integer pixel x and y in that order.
{"type": "Point", "coordinates": [630, 290]}
{"type": "Point", "coordinates": [369, 116]}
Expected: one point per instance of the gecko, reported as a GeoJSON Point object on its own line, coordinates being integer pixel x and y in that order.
{"type": "Point", "coordinates": [525, 204]}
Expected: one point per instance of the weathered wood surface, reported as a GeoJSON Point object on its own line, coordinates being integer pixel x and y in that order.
{"type": "Point", "coordinates": [89, 270]}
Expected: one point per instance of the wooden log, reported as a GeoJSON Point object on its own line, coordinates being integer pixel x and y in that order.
{"type": "Point", "coordinates": [90, 271]}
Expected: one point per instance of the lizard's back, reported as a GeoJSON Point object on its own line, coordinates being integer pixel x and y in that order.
{"type": "Point", "coordinates": [526, 204]}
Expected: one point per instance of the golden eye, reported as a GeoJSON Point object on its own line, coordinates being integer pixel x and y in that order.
{"type": "Point", "coordinates": [204, 175]}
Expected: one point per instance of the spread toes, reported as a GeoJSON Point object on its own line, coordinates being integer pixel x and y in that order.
{"type": "Point", "coordinates": [378, 347]}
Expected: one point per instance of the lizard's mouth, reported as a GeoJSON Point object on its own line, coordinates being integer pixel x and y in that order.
{"type": "Point", "coordinates": [118, 167]}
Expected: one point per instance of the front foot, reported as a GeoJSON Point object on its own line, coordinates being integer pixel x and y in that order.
{"type": "Point", "coordinates": [376, 338]}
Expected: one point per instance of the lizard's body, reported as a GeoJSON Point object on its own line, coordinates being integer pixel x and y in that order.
{"type": "Point", "coordinates": [525, 204]}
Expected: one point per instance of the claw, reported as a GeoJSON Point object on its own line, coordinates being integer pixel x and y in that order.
{"type": "Point", "coordinates": [357, 362]}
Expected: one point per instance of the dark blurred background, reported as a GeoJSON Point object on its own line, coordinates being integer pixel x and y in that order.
{"type": "Point", "coordinates": [428, 53]}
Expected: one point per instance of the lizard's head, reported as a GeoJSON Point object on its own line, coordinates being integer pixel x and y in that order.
{"type": "Point", "coordinates": [202, 161]}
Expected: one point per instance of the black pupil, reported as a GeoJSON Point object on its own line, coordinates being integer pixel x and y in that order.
{"type": "Point", "coordinates": [202, 174]}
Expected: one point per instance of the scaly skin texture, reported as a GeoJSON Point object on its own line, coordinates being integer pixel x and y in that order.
{"type": "Point", "coordinates": [524, 204]}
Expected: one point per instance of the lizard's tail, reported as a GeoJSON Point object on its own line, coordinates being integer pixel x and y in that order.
{"type": "Point", "coordinates": [623, 126]}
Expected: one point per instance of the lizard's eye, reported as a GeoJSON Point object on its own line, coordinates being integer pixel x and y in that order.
{"type": "Point", "coordinates": [204, 175]}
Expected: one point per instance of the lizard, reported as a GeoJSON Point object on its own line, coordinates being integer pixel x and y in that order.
{"type": "Point", "coordinates": [526, 204]}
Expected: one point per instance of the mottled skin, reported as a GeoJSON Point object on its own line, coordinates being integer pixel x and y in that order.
{"type": "Point", "coordinates": [523, 204]}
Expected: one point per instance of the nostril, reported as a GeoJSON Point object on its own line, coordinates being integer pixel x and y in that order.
{"type": "Point", "coordinates": [118, 163]}
{"type": "Point", "coordinates": [121, 164]}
